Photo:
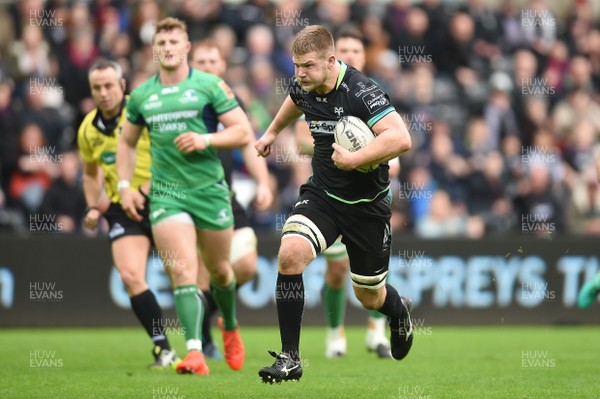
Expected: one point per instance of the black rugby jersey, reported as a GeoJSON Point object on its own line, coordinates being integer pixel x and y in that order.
{"type": "Point", "coordinates": [355, 95]}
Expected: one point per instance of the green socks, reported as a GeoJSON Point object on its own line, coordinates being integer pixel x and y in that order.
{"type": "Point", "coordinates": [225, 299]}
{"type": "Point", "coordinates": [334, 302]}
{"type": "Point", "coordinates": [189, 310]}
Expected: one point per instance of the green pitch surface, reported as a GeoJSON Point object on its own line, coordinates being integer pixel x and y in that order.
{"type": "Point", "coordinates": [467, 362]}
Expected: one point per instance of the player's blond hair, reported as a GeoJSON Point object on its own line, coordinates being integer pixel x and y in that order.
{"type": "Point", "coordinates": [313, 38]}
{"type": "Point", "coordinates": [169, 24]}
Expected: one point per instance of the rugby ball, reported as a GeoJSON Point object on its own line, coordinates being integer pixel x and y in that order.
{"type": "Point", "coordinates": [353, 134]}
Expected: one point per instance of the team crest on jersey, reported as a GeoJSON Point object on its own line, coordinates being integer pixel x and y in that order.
{"type": "Point", "coordinates": [188, 96]}
{"type": "Point", "coordinates": [338, 111]}
{"type": "Point", "coordinates": [223, 216]}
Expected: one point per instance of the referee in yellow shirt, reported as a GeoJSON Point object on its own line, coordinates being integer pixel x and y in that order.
{"type": "Point", "coordinates": [97, 138]}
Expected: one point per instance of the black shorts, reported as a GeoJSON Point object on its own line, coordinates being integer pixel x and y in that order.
{"type": "Point", "coordinates": [364, 227]}
{"type": "Point", "coordinates": [240, 219]}
{"type": "Point", "coordinates": [120, 225]}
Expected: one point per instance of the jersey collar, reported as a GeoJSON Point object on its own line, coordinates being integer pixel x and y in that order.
{"type": "Point", "coordinates": [107, 126]}
{"type": "Point", "coordinates": [342, 74]}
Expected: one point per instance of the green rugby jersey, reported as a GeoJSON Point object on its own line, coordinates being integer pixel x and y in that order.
{"type": "Point", "coordinates": [168, 111]}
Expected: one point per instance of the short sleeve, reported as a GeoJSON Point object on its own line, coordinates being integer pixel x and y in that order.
{"type": "Point", "coordinates": [372, 105]}
{"type": "Point", "coordinates": [222, 97]}
{"type": "Point", "coordinates": [133, 109]}
{"type": "Point", "coordinates": [83, 142]}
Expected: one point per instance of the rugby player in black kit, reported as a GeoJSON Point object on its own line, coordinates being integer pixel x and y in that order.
{"type": "Point", "coordinates": [337, 199]}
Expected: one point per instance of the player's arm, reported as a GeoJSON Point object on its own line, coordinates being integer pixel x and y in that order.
{"type": "Point", "coordinates": [126, 154]}
{"type": "Point", "coordinates": [392, 140]}
{"type": "Point", "coordinates": [92, 191]}
{"type": "Point", "coordinates": [257, 167]}
{"type": "Point", "coordinates": [304, 139]}
{"type": "Point", "coordinates": [237, 133]}
{"type": "Point", "coordinates": [598, 168]}
{"type": "Point", "coordinates": [286, 115]}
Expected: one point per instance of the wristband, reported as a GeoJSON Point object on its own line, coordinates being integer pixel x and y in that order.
{"type": "Point", "coordinates": [89, 208]}
{"type": "Point", "coordinates": [208, 140]}
{"type": "Point", "coordinates": [123, 184]}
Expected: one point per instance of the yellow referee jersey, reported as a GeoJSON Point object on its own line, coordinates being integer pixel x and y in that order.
{"type": "Point", "coordinates": [98, 144]}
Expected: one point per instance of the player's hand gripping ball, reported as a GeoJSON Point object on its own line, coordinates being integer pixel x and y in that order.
{"type": "Point", "coordinates": [353, 134]}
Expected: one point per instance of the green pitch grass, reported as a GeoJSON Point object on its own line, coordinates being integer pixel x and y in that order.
{"type": "Point", "coordinates": [467, 362]}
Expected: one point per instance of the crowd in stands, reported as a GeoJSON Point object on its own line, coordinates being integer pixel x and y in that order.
{"type": "Point", "coordinates": [503, 102]}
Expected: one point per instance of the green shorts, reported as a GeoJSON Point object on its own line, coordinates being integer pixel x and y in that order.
{"type": "Point", "coordinates": [209, 207]}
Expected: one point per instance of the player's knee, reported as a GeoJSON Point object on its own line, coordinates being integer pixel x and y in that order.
{"type": "Point", "coordinates": [369, 299]}
{"type": "Point", "coordinates": [221, 274]}
{"type": "Point", "coordinates": [301, 241]}
{"type": "Point", "coordinates": [369, 290]}
{"type": "Point", "coordinates": [245, 269]}
{"type": "Point", "coordinates": [133, 280]}
{"type": "Point", "coordinates": [294, 255]}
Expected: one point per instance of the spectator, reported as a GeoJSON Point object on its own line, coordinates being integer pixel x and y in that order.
{"type": "Point", "coordinates": [35, 167]}
{"type": "Point", "coordinates": [413, 45]}
{"type": "Point", "coordinates": [64, 197]}
{"type": "Point", "coordinates": [487, 196]}
{"type": "Point", "coordinates": [444, 220]}
{"type": "Point", "coordinates": [540, 210]}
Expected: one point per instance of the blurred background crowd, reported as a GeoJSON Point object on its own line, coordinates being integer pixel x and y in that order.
{"type": "Point", "coordinates": [502, 99]}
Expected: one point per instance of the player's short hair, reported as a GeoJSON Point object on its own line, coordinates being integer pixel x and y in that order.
{"type": "Point", "coordinates": [313, 38]}
{"type": "Point", "coordinates": [350, 34]}
{"type": "Point", "coordinates": [208, 44]}
{"type": "Point", "coordinates": [169, 24]}
{"type": "Point", "coordinates": [103, 63]}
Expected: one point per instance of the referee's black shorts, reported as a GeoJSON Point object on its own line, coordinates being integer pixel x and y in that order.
{"type": "Point", "coordinates": [364, 227]}
{"type": "Point", "coordinates": [120, 225]}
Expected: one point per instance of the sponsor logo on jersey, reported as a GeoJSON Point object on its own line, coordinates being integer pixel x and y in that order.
{"type": "Point", "coordinates": [375, 100]}
{"type": "Point", "coordinates": [302, 103]}
{"type": "Point", "coordinates": [108, 157]}
{"type": "Point", "coordinates": [303, 202]}
{"type": "Point", "coordinates": [321, 100]}
{"type": "Point", "coordinates": [170, 90]}
{"type": "Point", "coordinates": [345, 86]}
{"type": "Point", "coordinates": [326, 127]}
{"type": "Point", "coordinates": [173, 116]}
{"type": "Point", "coordinates": [152, 103]}
{"type": "Point", "coordinates": [226, 89]}
{"type": "Point", "coordinates": [363, 89]}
